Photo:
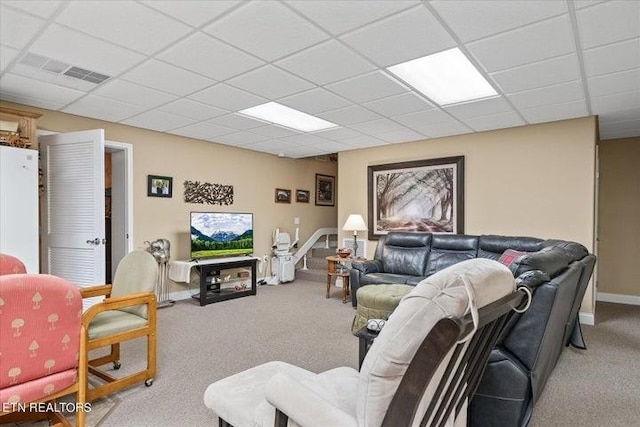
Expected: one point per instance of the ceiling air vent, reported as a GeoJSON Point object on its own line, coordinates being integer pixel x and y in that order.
{"type": "Point", "coordinates": [55, 71]}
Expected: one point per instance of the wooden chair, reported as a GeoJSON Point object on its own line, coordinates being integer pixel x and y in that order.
{"type": "Point", "coordinates": [42, 349]}
{"type": "Point", "coordinates": [422, 368]}
{"type": "Point", "coordinates": [128, 312]}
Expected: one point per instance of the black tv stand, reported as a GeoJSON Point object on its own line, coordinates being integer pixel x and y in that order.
{"type": "Point", "coordinates": [220, 279]}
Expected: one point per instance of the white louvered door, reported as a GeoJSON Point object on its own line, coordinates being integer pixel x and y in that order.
{"type": "Point", "coordinates": [72, 208]}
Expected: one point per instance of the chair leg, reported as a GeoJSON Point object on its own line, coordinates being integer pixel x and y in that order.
{"type": "Point", "coordinates": [223, 423]}
{"type": "Point", "coordinates": [281, 419]}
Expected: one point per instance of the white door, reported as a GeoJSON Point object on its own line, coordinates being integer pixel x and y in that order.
{"type": "Point", "coordinates": [73, 233]}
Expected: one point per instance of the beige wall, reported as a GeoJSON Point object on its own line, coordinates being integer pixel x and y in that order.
{"type": "Point", "coordinates": [526, 181]}
{"type": "Point", "coordinates": [619, 217]}
{"type": "Point", "coordinates": [254, 177]}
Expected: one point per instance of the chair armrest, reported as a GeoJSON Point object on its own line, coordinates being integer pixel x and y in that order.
{"type": "Point", "coordinates": [303, 405]}
{"type": "Point", "coordinates": [368, 266]}
{"type": "Point", "coordinates": [95, 291]}
{"type": "Point", "coordinates": [118, 302]}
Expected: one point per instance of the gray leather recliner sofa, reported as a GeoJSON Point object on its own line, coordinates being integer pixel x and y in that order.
{"type": "Point", "coordinates": [556, 271]}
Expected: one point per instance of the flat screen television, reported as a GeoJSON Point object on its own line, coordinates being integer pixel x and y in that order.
{"type": "Point", "coordinates": [221, 234]}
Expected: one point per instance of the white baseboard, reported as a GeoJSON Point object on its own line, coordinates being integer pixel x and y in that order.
{"type": "Point", "coordinates": [618, 298]}
{"type": "Point", "coordinates": [587, 318]}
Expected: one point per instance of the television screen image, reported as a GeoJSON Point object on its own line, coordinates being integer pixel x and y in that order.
{"type": "Point", "coordinates": [221, 234]}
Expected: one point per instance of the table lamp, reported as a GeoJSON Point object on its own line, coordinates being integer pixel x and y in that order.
{"type": "Point", "coordinates": [355, 223]}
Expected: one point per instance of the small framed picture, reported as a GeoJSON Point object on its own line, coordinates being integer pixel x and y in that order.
{"type": "Point", "coordinates": [159, 186]}
{"type": "Point", "coordinates": [325, 190]}
{"type": "Point", "coordinates": [302, 196]}
{"type": "Point", "coordinates": [283, 196]}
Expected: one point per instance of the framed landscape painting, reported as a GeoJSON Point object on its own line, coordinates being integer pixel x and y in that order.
{"type": "Point", "coordinates": [421, 195]}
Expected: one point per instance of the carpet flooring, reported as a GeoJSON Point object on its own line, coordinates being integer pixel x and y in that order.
{"type": "Point", "coordinates": [296, 324]}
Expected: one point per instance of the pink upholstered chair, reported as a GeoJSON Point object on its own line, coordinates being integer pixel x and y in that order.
{"type": "Point", "coordinates": [11, 265]}
{"type": "Point", "coordinates": [42, 347]}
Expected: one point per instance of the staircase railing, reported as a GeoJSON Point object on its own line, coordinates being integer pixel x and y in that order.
{"type": "Point", "coordinates": [311, 241]}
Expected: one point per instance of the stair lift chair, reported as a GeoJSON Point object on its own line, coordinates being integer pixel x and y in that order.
{"type": "Point", "coordinates": [127, 312]}
{"type": "Point", "coordinates": [423, 366]}
{"type": "Point", "coordinates": [42, 354]}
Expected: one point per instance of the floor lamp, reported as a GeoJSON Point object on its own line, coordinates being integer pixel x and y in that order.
{"type": "Point", "coordinates": [355, 223]}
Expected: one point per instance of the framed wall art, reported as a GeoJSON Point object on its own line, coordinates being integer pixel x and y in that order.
{"type": "Point", "coordinates": [421, 195]}
{"type": "Point", "coordinates": [303, 196]}
{"type": "Point", "coordinates": [325, 190]}
{"type": "Point", "coordinates": [159, 186]}
{"type": "Point", "coordinates": [283, 196]}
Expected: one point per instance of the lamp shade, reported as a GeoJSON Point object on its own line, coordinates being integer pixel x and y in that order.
{"type": "Point", "coordinates": [355, 222]}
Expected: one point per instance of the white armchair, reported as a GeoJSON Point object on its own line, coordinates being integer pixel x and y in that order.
{"type": "Point", "coordinates": [425, 363]}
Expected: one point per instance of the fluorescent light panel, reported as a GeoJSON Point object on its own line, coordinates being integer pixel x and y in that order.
{"type": "Point", "coordinates": [446, 77]}
{"type": "Point", "coordinates": [275, 113]}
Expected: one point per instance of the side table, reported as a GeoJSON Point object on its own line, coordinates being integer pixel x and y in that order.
{"type": "Point", "coordinates": [335, 268]}
{"type": "Point", "coordinates": [365, 337]}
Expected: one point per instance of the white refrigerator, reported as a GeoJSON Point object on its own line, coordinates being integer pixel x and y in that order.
{"type": "Point", "coordinates": [19, 225]}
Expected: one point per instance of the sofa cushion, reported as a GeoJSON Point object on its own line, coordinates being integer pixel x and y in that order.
{"type": "Point", "coordinates": [551, 260]}
{"type": "Point", "coordinates": [382, 278]}
{"type": "Point", "coordinates": [401, 260]}
{"type": "Point", "coordinates": [447, 250]}
{"type": "Point", "coordinates": [492, 246]}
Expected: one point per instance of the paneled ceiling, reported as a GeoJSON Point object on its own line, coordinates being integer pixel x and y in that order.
{"type": "Point", "coordinates": [187, 67]}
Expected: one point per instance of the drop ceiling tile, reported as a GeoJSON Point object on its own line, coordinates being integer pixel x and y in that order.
{"type": "Point", "coordinates": [620, 130]}
{"type": "Point", "coordinates": [17, 28]}
{"type": "Point", "coordinates": [400, 135]}
{"type": "Point", "coordinates": [399, 104]}
{"type": "Point", "coordinates": [33, 92]}
{"type": "Point", "coordinates": [340, 134]}
{"type": "Point", "coordinates": [579, 4]}
{"type": "Point", "coordinates": [375, 127]}
{"type": "Point", "coordinates": [368, 87]}
{"type": "Point", "coordinates": [612, 58]}
{"type": "Point", "coordinates": [273, 146]}
{"type": "Point", "coordinates": [193, 12]}
{"type": "Point", "coordinates": [444, 129]}
{"type": "Point", "coordinates": [423, 118]}
{"type": "Point", "coordinates": [609, 84]}
{"type": "Point", "coordinates": [236, 121]}
{"type": "Point", "coordinates": [84, 51]}
{"type": "Point", "coordinates": [203, 54]}
{"type": "Point", "coordinates": [241, 138]}
{"type": "Point", "coordinates": [314, 101]}
{"type": "Point", "coordinates": [620, 116]}
{"type": "Point", "coordinates": [192, 109]}
{"type": "Point", "coordinates": [133, 93]}
{"type": "Point", "coordinates": [350, 115]}
{"type": "Point", "coordinates": [483, 107]}
{"type": "Point", "coordinates": [352, 13]}
{"type": "Point", "coordinates": [266, 29]}
{"type": "Point", "coordinates": [273, 131]}
{"type": "Point", "coordinates": [101, 108]}
{"type": "Point", "coordinates": [270, 82]}
{"type": "Point", "coordinates": [556, 94]}
{"type": "Point", "coordinates": [202, 130]}
{"type": "Point", "coordinates": [129, 25]}
{"type": "Point", "coordinates": [303, 139]}
{"type": "Point", "coordinates": [7, 54]}
{"type": "Point", "coordinates": [538, 74]}
{"type": "Point", "coordinates": [543, 40]}
{"type": "Point", "coordinates": [160, 75]}
{"type": "Point", "coordinates": [326, 63]}
{"type": "Point", "coordinates": [408, 35]}
{"type": "Point", "coordinates": [158, 120]}
{"type": "Point", "coordinates": [227, 97]}
{"type": "Point", "coordinates": [494, 121]}
{"type": "Point", "coordinates": [552, 113]}
{"type": "Point", "coordinates": [42, 8]}
{"type": "Point", "coordinates": [617, 102]}
{"type": "Point", "coordinates": [596, 24]}
{"type": "Point", "coordinates": [472, 20]}
{"type": "Point", "coordinates": [364, 141]}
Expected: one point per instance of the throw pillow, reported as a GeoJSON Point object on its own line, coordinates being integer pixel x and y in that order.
{"type": "Point", "coordinates": [509, 256]}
